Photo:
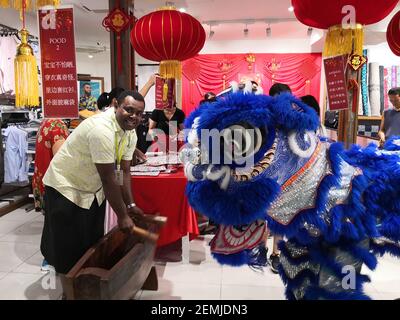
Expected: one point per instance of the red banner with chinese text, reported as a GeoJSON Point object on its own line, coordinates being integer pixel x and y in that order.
{"type": "Point", "coordinates": [58, 61]}
{"type": "Point", "coordinates": [336, 82]}
{"type": "Point", "coordinates": [164, 87]}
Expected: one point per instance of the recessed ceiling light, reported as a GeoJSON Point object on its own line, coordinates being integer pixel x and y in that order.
{"type": "Point", "coordinates": [269, 31]}
{"type": "Point", "coordinates": [291, 9]}
{"type": "Point", "coordinates": [182, 10]}
{"type": "Point", "coordinates": [90, 56]}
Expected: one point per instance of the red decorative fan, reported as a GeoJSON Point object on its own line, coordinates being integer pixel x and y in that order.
{"type": "Point", "coordinates": [308, 69]}
{"type": "Point", "coordinates": [191, 70]}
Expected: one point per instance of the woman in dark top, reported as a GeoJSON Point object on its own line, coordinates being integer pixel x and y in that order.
{"type": "Point", "coordinates": [164, 120]}
{"type": "Point", "coordinates": [165, 125]}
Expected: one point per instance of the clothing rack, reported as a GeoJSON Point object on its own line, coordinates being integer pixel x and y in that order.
{"type": "Point", "coordinates": [6, 31]}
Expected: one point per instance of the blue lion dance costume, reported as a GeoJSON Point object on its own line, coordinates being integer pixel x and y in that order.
{"type": "Point", "coordinates": [336, 209]}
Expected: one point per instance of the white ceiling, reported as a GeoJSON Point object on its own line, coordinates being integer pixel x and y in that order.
{"type": "Point", "coordinates": [203, 10]}
{"type": "Point", "coordinates": [89, 30]}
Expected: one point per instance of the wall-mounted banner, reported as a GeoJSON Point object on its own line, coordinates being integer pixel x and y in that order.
{"type": "Point", "coordinates": [336, 82]}
{"type": "Point", "coordinates": [165, 93]}
{"type": "Point", "coordinates": [58, 60]}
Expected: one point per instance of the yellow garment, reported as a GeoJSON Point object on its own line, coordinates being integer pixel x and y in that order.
{"type": "Point", "coordinates": [72, 171]}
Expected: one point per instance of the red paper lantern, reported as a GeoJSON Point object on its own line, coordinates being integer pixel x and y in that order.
{"type": "Point", "coordinates": [169, 36]}
{"type": "Point", "coordinates": [393, 34]}
{"type": "Point", "coordinates": [325, 14]}
{"type": "Point", "coordinates": [333, 13]}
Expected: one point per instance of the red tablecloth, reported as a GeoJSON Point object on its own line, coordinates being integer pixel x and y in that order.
{"type": "Point", "coordinates": [165, 194]}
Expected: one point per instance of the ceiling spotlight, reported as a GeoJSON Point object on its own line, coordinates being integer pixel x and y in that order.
{"type": "Point", "coordinates": [211, 34]}
{"type": "Point", "coordinates": [269, 31]}
{"type": "Point", "coordinates": [182, 10]}
{"type": "Point", "coordinates": [246, 31]}
{"type": "Point", "coordinates": [291, 9]}
{"type": "Point", "coordinates": [90, 56]}
{"type": "Point", "coordinates": [309, 32]}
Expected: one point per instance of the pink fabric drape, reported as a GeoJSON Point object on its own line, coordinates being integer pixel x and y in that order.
{"type": "Point", "coordinates": [209, 72]}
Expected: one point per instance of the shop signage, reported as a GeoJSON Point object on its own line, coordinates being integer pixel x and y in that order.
{"type": "Point", "coordinates": [336, 82]}
{"type": "Point", "coordinates": [165, 92]}
{"type": "Point", "coordinates": [58, 62]}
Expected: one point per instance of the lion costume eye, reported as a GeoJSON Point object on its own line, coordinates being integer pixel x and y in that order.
{"type": "Point", "coordinates": [297, 142]}
{"type": "Point", "coordinates": [241, 141]}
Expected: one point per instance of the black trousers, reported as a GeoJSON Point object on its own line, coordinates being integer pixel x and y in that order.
{"type": "Point", "coordinates": [69, 231]}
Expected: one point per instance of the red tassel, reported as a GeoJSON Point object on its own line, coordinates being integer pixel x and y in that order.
{"type": "Point", "coordinates": [308, 87]}
{"type": "Point", "coordinates": [119, 53]}
{"type": "Point", "coordinates": [191, 92]}
{"type": "Point", "coordinates": [353, 85]}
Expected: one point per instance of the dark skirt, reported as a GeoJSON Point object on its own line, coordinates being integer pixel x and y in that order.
{"type": "Point", "coordinates": [69, 231]}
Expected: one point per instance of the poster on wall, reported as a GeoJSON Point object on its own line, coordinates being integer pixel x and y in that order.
{"type": "Point", "coordinates": [90, 86]}
{"type": "Point", "coordinates": [58, 61]}
{"type": "Point", "coordinates": [336, 83]}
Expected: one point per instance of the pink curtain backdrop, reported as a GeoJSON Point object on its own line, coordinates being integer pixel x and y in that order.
{"type": "Point", "coordinates": [213, 72]}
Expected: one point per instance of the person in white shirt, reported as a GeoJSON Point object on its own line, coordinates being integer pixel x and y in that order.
{"type": "Point", "coordinates": [92, 165]}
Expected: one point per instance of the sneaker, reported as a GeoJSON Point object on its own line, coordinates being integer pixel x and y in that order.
{"type": "Point", "coordinates": [274, 262]}
{"type": "Point", "coordinates": [45, 266]}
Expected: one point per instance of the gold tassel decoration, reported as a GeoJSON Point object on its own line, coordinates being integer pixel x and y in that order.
{"type": "Point", "coordinates": [171, 69]}
{"type": "Point", "coordinates": [191, 91]}
{"type": "Point", "coordinates": [26, 75]}
{"type": "Point", "coordinates": [341, 41]}
{"type": "Point", "coordinates": [4, 4]}
{"type": "Point", "coordinates": [165, 91]}
{"type": "Point", "coordinates": [30, 4]}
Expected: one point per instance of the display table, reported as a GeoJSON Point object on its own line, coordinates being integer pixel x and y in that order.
{"type": "Point", "coordinates": [164, 194]}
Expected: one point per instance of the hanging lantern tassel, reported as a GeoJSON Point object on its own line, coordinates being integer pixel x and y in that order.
{"type": "Point", "coordinates": [341, 41]}
{"type": "Point", "coordinates": [165, 91]}
{"type": "Point", "coordinates": [308, 87]}
{"type": "Point", "coordinates": [191, 91]}
{"type": "Point", "coordinates": [119, 53]}
{"type": "Point", "coordinates": [26, 74]}
{"type": "Point", "coordinates": [171, 69]}
{"type": "Point", "coordinates": [30, 5]}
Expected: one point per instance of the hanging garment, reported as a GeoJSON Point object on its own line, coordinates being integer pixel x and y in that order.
{"type": "Point", "coordinates": [382, 87]}
{"type": "Point", "coordinates": [364, 87]}
{"type": "Point", "coordinates": [1, 159]}
{"type": "Point", "coordinates": [394, 77]}
{"type": "Point", "coordinates": [8, 49]}
{"type": "Point", "coordinates": [386, 86]}
{"type": "Point", "coordinates": [15, 160]}
{"type": "Point", "coordinates": [374, 90]}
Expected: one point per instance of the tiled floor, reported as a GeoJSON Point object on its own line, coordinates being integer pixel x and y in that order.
{"type": "Point", "coordinates": [203, 278]}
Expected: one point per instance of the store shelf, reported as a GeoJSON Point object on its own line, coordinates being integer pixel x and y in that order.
{"type": "Point", "coordinates": [369, 118]}
{"type": "Point", "coordinates": [14, 205]}
{"type": "Point", "coordinates": [15, 111]}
